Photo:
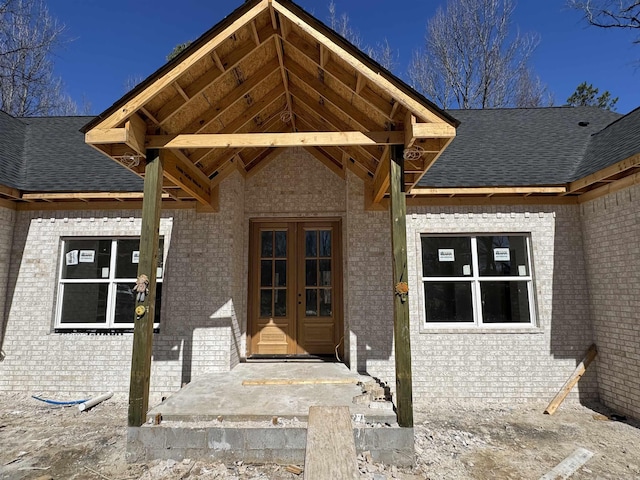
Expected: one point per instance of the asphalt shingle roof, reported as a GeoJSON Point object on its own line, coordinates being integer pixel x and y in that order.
{"type": "Point", "coordinates": [497, 147]}
{"type": "Point", "coordinates": [618, 141]}
{"type": "Point", "coordinates": [54, 158]}
{"type": "Point", "coordinates": [12, 136]}
{"type": "Point", "coordinates": [515, 147]}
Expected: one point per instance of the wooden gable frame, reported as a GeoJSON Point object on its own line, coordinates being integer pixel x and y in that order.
{"type": "Point", "coordinates": [271, 76]}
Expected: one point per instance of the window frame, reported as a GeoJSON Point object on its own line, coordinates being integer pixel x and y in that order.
{"type": "Point", "coordinates": [112, 281]}
{"type": "Point", "coordinates": [475, 280]}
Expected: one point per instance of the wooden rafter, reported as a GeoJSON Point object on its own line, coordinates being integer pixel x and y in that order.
{"type": "Point", "coordinates": [488, 190]}
{"type": "Point", "coordinates": [605, 173]}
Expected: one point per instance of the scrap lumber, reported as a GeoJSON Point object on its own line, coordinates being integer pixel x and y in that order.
{"type": "Point", "coordinates": [573, 379]}
{"type": "Point", "coordinates": [569, 465]}
{"type": "Point", "coordinates": [331, 449]}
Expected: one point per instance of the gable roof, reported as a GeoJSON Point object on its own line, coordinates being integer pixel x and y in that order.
{"type": "Point", "coordinates": [516, 147]}
{"type": "Point", "coordinates": [271, 68]}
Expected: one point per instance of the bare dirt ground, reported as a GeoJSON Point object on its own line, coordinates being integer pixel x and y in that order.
{"type": "Point", "coordinates": [452, 442]}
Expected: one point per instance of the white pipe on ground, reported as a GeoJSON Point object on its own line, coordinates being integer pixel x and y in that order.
{"type": "Point", "coordinates": [92, 402]}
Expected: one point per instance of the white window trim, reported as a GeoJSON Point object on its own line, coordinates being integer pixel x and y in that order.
{"type": "Point", "coordinates": [475, 279]}
{"type": "Point", "coordinates": [111, 294]}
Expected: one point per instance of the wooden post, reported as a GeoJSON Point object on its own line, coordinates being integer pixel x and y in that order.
{"type": "Point", "coordinates": [401, 330]}
{"type": "Point", "coordinates": [143, 323]}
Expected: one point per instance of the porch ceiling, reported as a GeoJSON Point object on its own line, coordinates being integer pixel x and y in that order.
{"type": "Point", "coordinates": [271, 76]}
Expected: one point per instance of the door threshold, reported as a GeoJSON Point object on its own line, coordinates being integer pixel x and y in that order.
{"type": "Point", "coordinates": [263, 358]}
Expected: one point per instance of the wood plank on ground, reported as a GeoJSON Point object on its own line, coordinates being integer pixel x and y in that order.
{"type": "Point", "coordinates": [331, 449]}
{"type": "Point", "coordinates": [569, 465]}
{"type": "Point", "coordinates": [300, 381]}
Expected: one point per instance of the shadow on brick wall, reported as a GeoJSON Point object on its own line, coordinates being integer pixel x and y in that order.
{"type": "Point", "coordinates": [571, 324]}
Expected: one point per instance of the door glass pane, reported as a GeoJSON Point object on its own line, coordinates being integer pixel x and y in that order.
{"type": "Point", "coordinates": [312, 303]}
{"type": "Point", "coordinates": [266, 279]}
{"type": "Point", "coordinates": [448, 301]}
{"type": "Point", "coordinates": [325, 302]}
{"type": "Point", "coordinates": [126, 302]}
{"type": "Point", "coordinates": [266, 244]}
{"type": "Point", "coordinates": [446, 256]}
{"type": "Point", "coordinates": [325, 273]}
{"type": "Point", "coordinates": [265, 303]}
{"type": "Point", "coordinates": [325, 243]}
{"type": "Point", "coordinates": [281, 273]}
{"type": "Point", "coordinates": [281, 244]}
{"type": "Point", "coordinates": [311, 243]}
{"type": "Point", "coordinates": [280, 303]}
{"type": "Point", "coordinates": [84, 303]}
{"type": "Point", "coordinates": [503, 255]}
{"type": "Point", "coordinates": [505, 302]}
{"type": "Point", "coordinates": [311, 273]}
{"type": "Point", "coordinates": [86, 259]}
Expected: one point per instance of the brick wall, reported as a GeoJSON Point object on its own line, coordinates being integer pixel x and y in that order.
{"type": "Point", "coordinates": [199, 329]}
{"type": "Point", "coordinates": [7, 221]}
{"type": "Point", "coordinates": [473, 363]}
{"type": "Point", "coordinates": [612, 252]}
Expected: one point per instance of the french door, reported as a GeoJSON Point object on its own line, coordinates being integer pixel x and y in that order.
{"type": "Point", "coordinates": [295, 287]}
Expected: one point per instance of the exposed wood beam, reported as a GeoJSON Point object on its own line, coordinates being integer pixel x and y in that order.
{"type": "Point", "coordinates": [383, 83]}
{"type": "Point", "coordinates": [324, 56]}
{"type": "Point", "coordinates": [188, 177]}
{"type": "Point", "coordinates": [285, 79]}
{"type": "Point", "coordinates": [603, 174]}
{"type": "Point", "coordinates": [401, 325]}
{"type": "Point", "coordinates": [381, 178]}
{"type": "Point", "coordinates": [409, 127]}
{"type": "Point", "coordinates": [145, 95]}
{"type": "Point", "coordinates": [99, 205]}
{"type": "Point", "coordinates": [612, 187]}
{"type": "Point", "coordinates": [10, 192]}
{"type": "Point", "coordinates": [324, 117]}
{"type": "Point", "coordinates": [217, 61]}
{"type": "Point", "coordinates": [363, 120]}
{"type": "Point", "coordinates": [224, 172]}
{"type": "Point", "coordinates": [254, 32]}
{"type": "Point", "coordinates": [295, 139]}
{"type": "Point", "coordinates": [180, 91]}
{"type": "Point", "coordinates": [209, 116]}
{"type": "Point", "coordinates": [487, 190]}
{"type": "Point", "coordinates": [365, 160]}
{"type": "Point", "coordinates": [85, 196]}
{"type": "Point", "coordinates": [506, 200]}
{"type": "Point", "coordinates": [150, 116]}
{"type": "Point", "coordinates": [356, 83]}
{"type": "Point", "coordinates": [9, 204]}
{"type": "Point", "coordinates": [143, 322]}
{"type": "Point", "coordinates": [433, 130]}
{"type": "Point", "coordinates": [135, 132]}
{"type": "Point", "coordinates": [214, 159]}
{"type": "Point", "coordinates": [105, 136]}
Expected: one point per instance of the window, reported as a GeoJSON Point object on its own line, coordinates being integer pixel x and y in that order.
{"type": "Point", "coordinates": [477, 280]}
{"type": "Point", "coordinates": [97, 276]}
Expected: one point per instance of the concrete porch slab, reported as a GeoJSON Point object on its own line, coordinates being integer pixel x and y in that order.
{"type": "Point", "coordinates": [224, 395]}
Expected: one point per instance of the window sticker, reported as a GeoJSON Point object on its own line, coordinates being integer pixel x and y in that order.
{"type": "Point", "coordinates": [135, 256]}
{"type": "Point", "coordinates": [87, 256]}
{"type": "Point", "coordinates": [71, 258]}
{"type": "Point", "coordinates": [105, 272]}
{"type": "Point", "coordinates": [522, 270]}
{"type": "Point", "coordinates": [466, 269]}
{"type": "Point", "coordinates": [446, 255]}
{"type": "Point", "coordinates": [501, 255]}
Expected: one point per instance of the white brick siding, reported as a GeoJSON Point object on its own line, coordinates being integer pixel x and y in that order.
{"type": "Point", "coordinates": [612, 249]}
{"type": "Point", "coordinates": [204, 320]}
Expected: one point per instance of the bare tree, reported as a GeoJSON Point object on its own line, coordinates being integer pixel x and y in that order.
{"type": "Point", "coordinates": [28, 38]}
{"type": "Point", "coordinates": [381, 52]}
{"type": "Point", "coordinates": [473, 59]}
{"type": "Point", "coordinates": [610, 13]}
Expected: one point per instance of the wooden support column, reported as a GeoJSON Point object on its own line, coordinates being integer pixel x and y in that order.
{"type": "Point", "coordinates": [401, 330]}
{"type": "Point", "coordinates": [143, 323]}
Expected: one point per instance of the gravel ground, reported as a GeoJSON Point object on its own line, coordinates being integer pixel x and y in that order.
{"type": "Point", "coordinates": [452, 442]}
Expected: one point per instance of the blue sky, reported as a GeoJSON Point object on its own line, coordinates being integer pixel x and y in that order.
{"type": "Point", "coordinates": [114, 40]}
